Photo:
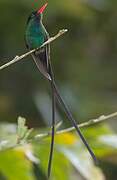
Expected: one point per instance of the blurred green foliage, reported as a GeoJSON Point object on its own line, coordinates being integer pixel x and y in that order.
{"type": "Point", "coordinates": [84, 62]}
{"type": "Point", "coordinates": [28, 158]}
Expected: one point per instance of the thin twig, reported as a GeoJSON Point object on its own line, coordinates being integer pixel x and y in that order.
{"type": "Point", "coordinates": [47, 134]}
{"type": "Point", "coordinates": [88, 123]}
{"type": "Point", "coordinates": [18, 58]}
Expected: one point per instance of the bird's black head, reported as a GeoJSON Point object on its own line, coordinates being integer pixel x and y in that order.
{"type": "Point", "coordinates": [34, 16]}
{"type": "Point", "coordinates": [37, 15]}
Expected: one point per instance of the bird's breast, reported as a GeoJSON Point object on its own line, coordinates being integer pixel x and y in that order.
{"type": "Point", "coordinates": [34, 41]}
{"type": "Point", "coordinates": [34, 36]}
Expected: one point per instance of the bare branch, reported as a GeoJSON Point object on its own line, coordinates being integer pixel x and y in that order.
{"type": "Point", "coordinates": [88, 123]}
{"type": "Point", "coordinates": [4, 146]}
{"type": "Point", "coordinates": [18, 58]}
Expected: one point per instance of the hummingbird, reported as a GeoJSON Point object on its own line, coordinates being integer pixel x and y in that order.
{"type": "Point", "coordinates": [35, 36]}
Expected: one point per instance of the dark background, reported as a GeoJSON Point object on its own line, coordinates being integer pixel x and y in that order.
{"type": "Point", "coordinates": [84, 61]}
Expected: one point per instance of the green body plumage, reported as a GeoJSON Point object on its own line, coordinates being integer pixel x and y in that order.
{"type": "Point", "coordinates": [35, 36]}
{"type": "Point", "coordinates": [35, 32]}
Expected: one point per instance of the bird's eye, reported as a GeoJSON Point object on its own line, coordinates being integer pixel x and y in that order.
{"type": "Point", "coordinates": [33, 14]}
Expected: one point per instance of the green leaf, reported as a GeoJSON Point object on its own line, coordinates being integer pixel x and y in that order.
{"type": "Point", "coordinates": [77, 154]}
{"type": "Point", "coordinates": [102, 139]}
{"type": "Point", "coordinates": [23, 132]}
{"type": "Point", "coordinates": [14, 165]}
{"type": "Point", "coordinates": [60, 165]}
{"type": "Point", "coordinates": [22, 129]}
